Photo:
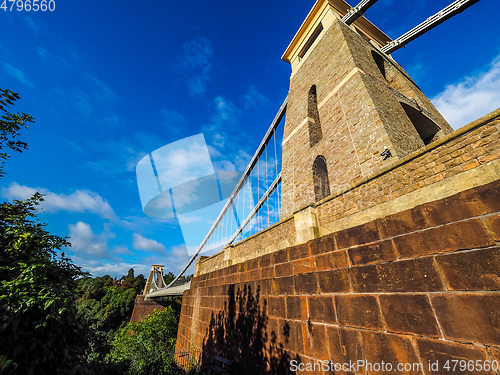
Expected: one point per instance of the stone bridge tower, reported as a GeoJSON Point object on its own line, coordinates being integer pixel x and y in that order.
{"type": "Point", "coordinates": [348, 102]}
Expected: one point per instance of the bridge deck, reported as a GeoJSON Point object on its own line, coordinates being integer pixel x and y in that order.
{"type": "Point", "coordinates": [172, 291]}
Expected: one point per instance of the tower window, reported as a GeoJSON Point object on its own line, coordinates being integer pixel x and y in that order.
{"type": "Point", "coordinates": [425, 127]}
{"type": "Point", "coordinates": [315, 134]}
{"type": "Point", "coordinates": [379, 60]}
{"type": "Point", "coordinates": [311, 40]}
{"type": "Point", "coordinates": [320, 178]}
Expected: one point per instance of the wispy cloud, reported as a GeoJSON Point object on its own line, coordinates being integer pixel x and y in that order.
{"type": "Point", "coordinates": [173, 121]}
{"type": "Point", "coordinates": [80, 201]}
{"type": "Point", "coordinates": [226, 114]}
{"type": "Point", "coordinates": [30, 24]}
{"type": "Point", "coordinates": [49, 58]}
{"type": "Point", "coordinates": [100, 90]}
{"type": "Point", "coordinates": [417, 71]}
{"type": "Point", "coordinates": [146, 244]}
{"type": "Point", "coordinates": [93, 99]}
{"type": "Point", "coordinates": [254, 99]}
{"type": "Point", "coordinates": [82, 101]}
{"type": "Point", "coordinates": [196, 60]}
{"type": "Point", "coordinates": [17, 74]}
{"type": "Point", "coordinates": [4, 52]}
{"type": "Point", "coordinates": [472, 97]}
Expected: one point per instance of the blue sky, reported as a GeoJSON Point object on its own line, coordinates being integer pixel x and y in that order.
{"type": "Point", "coordinates": [109, 82]}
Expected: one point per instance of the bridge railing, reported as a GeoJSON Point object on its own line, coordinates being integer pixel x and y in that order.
{"type": "Point", "coordinates": [255, 202]}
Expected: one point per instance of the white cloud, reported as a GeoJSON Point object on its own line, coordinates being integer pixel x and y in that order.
{"type": "Point", "coordinates": [17, 74]}
{"type": "Point", "coordinates": [79, 201]}
{"type": "Point", "coordinates": [122, 249]}
{"type": "Point", "coordinates": [85, 242]}
{"type": "Point", "coordinates": [142, 243]}
{"type": "Point", "coordinates": [114, 269]}
{"type": "Point", "coordinates": [226, 112]}
{"type": "Point", "coordinates": [174, 261]}
{"type": "Point", "coordinates": [471, 98]}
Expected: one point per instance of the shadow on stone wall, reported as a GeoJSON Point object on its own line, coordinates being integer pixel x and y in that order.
{"type": "Point", "coordinates": [239, 333]}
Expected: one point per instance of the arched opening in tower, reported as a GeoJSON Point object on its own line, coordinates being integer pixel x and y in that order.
{"type": "Point", "coordinates": [320, 178]}
{"type": "Point", "coordinates": [315, 134]}
{"type": "Point", "coordinates": [425, 127]}
{"type": "Point", "coordinates": [379, 60]}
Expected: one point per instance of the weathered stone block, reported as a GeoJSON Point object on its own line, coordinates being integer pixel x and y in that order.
{"type": "Point", "coordinates": [438, 354]}
{"type": "Point", "coordinates": [357, 235]}
{"type": "Point", "coordinates": [306, 283]}
{"type": "Point", "coordinates": [335, 281]}
{"type": "Point", "coordinates": [403, 222]}
{"type": "Point", "coordinates": [388, 348]}
{"type": "Point", "coordinates": [359, 311]}
{"type": "Point", "coordinates": [331, 261]}
{"type": "Point", "coordinates": [283, 269]}
{"type": "Point", "coordinates": [493, 225]}
{"type": "Point", "coordinates": [276, 307]}
{"type": "Point", "coordinates": [415, 275]}
{"type": "Point", "coordinates": [296, 308]}
{"type": "Point", "coordinates": [314, 341]}
{"type": "Point", "coordinates": [304, 265]}
{"type": "Point", "coordinates": [321, 309]}
{"type": "Point", "coordinates": [323, 244]}
{"type": "Point", "coordinates": [298, 252]}
{"type": "Point", "coordinates": [282, 285]}
{"type": "Point", "coordinates": [344, 345]}
{"type": "Point", "coordinates": [469, 317]}
{"type": "Point", "coordinates": [463, 235]}
{"type": "Point", "coordinates": [373, 253]}
{"type": "Point", "coordinates": [409, 314]}
{"type": "Point", "coordinates": [471, 270]}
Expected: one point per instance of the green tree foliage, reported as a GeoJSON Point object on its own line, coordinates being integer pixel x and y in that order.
{"type": "Point", "coordinates": [39, 327]}
{"type": "Point", "coordinates": [10, 125]}
{"type": "Point", "coordinates": [106, 305]}
{"type": "Point", "coordinates": [147, 347]}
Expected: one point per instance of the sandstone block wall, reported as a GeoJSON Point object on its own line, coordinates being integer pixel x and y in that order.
{"type": "Point", "coordinates": [418, 286]}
